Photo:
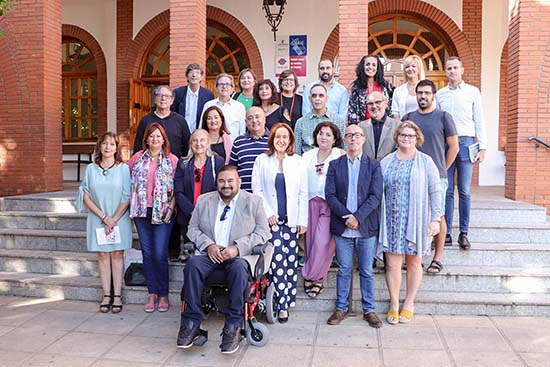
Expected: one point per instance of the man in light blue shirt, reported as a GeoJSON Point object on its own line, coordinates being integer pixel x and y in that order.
{"type": "Point", "coordinates": [463, 102]}
{"type": "Point", "coordinates": [338, 98]}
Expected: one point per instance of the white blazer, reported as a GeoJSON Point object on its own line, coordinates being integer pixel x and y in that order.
{"type": "Point", "coordinates": [263, 184]}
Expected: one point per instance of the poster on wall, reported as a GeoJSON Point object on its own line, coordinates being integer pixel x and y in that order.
{"type": "Point", "coordinates": [298, 54]}
{"type": "Point", "coordinates": [291, 53]}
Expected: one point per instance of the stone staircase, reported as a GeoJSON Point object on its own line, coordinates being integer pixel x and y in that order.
{"type": "Point", "coordinates": [507, 272]}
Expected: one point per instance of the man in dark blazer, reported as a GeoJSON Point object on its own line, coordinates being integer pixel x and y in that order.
{"type": "Point", "coordinates": [190, 99]}
{"type": "Point", "coordinates": [226, 224]}
{"type": "Point", "coordinates": [353, 192]}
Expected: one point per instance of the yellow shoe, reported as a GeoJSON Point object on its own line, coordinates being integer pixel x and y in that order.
{"type": "Point", "coordinates": [405, 316]}
{"type": "Point", "coordinates": [392, 317]}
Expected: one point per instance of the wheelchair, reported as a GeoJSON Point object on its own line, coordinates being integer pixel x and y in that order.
{"type": "Point", "coordinates": [261, 298]}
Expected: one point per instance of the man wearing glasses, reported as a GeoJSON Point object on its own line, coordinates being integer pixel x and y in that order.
{"type": "Point", "coordinates": [222, 246]}
{"type": "Point", "coordinates": [379, 129]}
{"type": "Point", "coordinates": [233, 110]}
{"type": "Point", "coordinates": [353, 192]}
{"type": "Point", "coordinates": [439, 130]}
{"type": "Point", "coordinates": [173, 123]}
{"type": "Point", "coordinates": [303, 131]}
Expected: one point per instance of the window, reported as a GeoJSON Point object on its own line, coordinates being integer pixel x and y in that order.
{"type": "Point", "coordinates": [79, 92]}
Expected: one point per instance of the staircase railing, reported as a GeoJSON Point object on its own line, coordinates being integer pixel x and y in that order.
{"type": "Point", "coordinates": [538, 142]}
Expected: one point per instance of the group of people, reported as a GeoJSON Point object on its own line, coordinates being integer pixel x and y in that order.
{"type": "Point", "coordinates": [371, 171]}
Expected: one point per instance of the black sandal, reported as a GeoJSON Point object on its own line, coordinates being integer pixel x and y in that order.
{"type": "Point", "coordinates": [308, 284]}
{"type": "Point", "coordinates": [315, 290]}
{"type": "Point", "coordinates": [435, 267]}
{"type": "Point", "coordinates": [117, 308]}
{"type": "Point", "coordinates": [105, 307]}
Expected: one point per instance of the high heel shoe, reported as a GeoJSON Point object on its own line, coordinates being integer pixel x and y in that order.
{"type": "Point", "coordinates": [116, 308]}
{"type": "Point", "coordinates": [105, 307]}
{"type": "Point", "coordinates": [283, 316]}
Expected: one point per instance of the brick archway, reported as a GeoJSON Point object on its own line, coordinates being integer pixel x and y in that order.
{"type": "Point", "coordinates": [73, 31]}
{"type": "Point", "coordinates": [438, 21]}
{"type": "Point", "coordinates": [161, 22]}
{"type": "Point", "coordinates": [248, 41]}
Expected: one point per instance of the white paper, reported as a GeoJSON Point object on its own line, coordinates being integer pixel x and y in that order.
{"type": "Point", "coordinates": [473, 151]}
{"type": "Point", "coordinates": [111, 239]}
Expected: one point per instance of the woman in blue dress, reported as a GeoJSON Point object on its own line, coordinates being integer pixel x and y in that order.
{"type": "Point", "coordinates": [410, 214]}
{"type": "Point", "coordinates": [105, 192]}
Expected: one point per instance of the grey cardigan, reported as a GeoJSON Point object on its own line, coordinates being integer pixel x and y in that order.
{"type": "Point", "coordinates": [424, 204]}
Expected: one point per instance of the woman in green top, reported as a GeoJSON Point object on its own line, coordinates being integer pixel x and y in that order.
{"type": "Point", "coordinates": [247, 82]}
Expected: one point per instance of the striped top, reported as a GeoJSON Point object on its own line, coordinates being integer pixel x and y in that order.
{"type": "Point", "coordinates": [243, 155]}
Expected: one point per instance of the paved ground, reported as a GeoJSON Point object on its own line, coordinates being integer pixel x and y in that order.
{"type": "Point", "coordinates": [42, 332]}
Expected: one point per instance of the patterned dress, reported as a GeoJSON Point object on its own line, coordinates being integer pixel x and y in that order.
{"type": "Point", "coordinates": [397, 180]}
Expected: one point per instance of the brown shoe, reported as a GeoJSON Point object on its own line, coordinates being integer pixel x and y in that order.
{"type": "Point", "coordinates": [373, 319]}
{"type": "Point", "coordinates": [337, 317]}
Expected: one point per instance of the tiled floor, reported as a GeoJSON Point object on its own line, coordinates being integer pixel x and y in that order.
{"type": "Point", "coordinates": [42, 332]}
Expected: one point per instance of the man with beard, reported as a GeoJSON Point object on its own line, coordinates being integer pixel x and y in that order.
{"type": "Point", "coordinates": [338, 98]}
{"type": "Point", "coordinates": [438, 128]}
{"type": "Point", "coordinates": [189, 100]}
{"type": "Point", "coordinates": [222, 246]}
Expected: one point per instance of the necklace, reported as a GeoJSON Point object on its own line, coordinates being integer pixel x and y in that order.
{"type": "Point", "coordinates": [153, 157]}
{"type": "Point", "coordinates": [105, 171]}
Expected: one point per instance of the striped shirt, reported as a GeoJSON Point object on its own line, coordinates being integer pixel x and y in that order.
{"type": "Point", "coordinates": [244, 152]}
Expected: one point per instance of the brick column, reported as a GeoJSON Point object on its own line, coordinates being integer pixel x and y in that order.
{"type": "Point", "coordinates": [354, 34]}
{"type": "Point", "coordinates": [472, 18]}
{"type": "Point", "coordinates": [30, 76]}
{"type": "Point", "coordinates": [187, 37]}
{"type": "Point", "coordinates": [124, 29]}
{"type": "Point", "coordinates": [527, 168]}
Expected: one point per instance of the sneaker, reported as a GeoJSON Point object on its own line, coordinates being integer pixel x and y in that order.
{"type": "Point", "coordinates": [337, 317]}
{"type": "Point", "coordinates": [301, 261]}
{"type": "Point", "coordinates": [188, 333]}
{"type": "Point", "coordinates": [230, 339]}
{"type": "Point", "coordinates": [463, 242]}
{"type": "Point", "coordinates": [373, 319]}
{"type": "Point", "coordinates": [448, 240]}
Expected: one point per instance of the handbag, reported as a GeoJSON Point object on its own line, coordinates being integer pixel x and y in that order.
{"type": "Point", "coordinates": [135, 275]}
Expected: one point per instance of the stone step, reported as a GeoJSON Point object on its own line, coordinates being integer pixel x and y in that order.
{"type": "Point", "coordinates": [498, 232]}
{"type": "Point", "coordinates": [49, 240]}
{"type": "Point", "coordinates": [492, 279]}
{"type": "Point", "coordinates": [58, 202]}
{"type": "Point", "coordinates": [43, 220]}
{"type": "Point", "coordinates": [427, 302]}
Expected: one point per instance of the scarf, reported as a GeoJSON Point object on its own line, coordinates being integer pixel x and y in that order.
{"type": "Point", "coordinates": [162, 190]}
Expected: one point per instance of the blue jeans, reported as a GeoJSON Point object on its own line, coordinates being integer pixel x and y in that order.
{"type": "Point", "coordinates": [464, 169]}
{"type": "Point", "coordinates": [365, 254]}
{"type": "Point", "coordinates": [154, 240]}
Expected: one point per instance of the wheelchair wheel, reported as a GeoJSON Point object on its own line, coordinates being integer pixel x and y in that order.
{"type": "Point", "coordinates": [259, 336]}
{"type": "Point", "coordinates": [271, 304]}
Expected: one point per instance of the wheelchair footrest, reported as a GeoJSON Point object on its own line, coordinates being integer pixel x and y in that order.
{"type": "Point", "coordinates": [202, 338]}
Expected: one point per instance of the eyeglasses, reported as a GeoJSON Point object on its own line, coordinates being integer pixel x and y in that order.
{"type": "Point", "coordinates": [162, 95]}
{"type": "Point", "coordinates": [289, 80]}
{"type": "Point", "coordinates": [407, 136]}
{"type": "Point", "coordinates": [378, 103]}
{"type": "Point", "coordinates": [224, 85]}
{"type": "Point", "coordinates": [319, 168]}
{"type": "Point", "coordinates": [224, 214]}
{"type": "Point", "coordinates": [353, 135]}
{"type": "Point", "coordinates": [197, 175]}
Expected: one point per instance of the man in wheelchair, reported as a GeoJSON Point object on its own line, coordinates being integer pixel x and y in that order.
{"type": "Point", "coordinates": [225, 226]}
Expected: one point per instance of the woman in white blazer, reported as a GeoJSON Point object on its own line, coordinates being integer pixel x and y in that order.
{"type": "Point", "coordinates": [280, 178]}
{"type": "Point", "coordinates": [404, 96]}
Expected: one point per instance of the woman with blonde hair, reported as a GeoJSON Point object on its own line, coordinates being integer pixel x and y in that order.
{"type": "Point", "coordinates": [404, 96]}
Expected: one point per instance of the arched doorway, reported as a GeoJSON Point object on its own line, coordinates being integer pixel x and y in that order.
{"type": "Point", "coordinates": [79, 110]}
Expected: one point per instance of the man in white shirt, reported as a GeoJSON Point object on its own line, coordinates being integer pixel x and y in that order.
{"type": "Point", "coordinates": [189, 100]}
{"type": "Point", "coordinates": [338, 98]}
{"type": "Point", "coordinates": [222, 247]}
{"type": "Point", "coordinates": [233, 111]}
{"type": "Point", "coordinates": [463, 102]}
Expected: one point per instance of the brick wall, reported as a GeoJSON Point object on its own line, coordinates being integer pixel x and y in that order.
{"type": "Point", "coordinates": [30, 96]}
{"type": "Point", "coordinates": [353, 40]}
{"type": "Point", "coordinates": [503, 100]}
{"type": "Point", "coordinates": [124, 46]}
{"type": "Point", "coordinates": [528, 168]}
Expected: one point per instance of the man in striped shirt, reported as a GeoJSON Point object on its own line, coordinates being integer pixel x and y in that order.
{"type": "Point", "coordinates": [250, 145]}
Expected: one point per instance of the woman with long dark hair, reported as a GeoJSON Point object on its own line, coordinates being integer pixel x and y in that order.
{"type": "Point", "coordinates": [265, 97]}
{"type": "Point", "coordinates": [370, 78]}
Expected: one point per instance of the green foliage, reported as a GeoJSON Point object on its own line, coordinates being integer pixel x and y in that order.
{"type": "Point", "coordinates": [6, 6]}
